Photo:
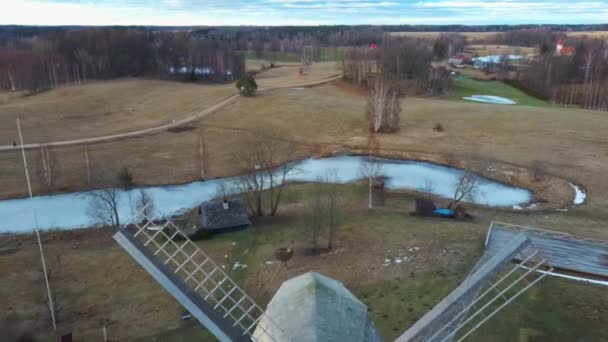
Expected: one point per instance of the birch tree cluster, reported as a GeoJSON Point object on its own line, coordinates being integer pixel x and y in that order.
{"type": "Point", "coordinates": [383, 108]}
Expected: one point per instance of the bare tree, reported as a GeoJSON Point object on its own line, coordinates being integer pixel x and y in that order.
{"type": "Point", "coordinates": [428, 187]}
{"type": "Point", "coordinates": [47, 171]}
{"type": "Point", "coordinates": [278, 176]}
{"type": "Point", "coordinates": [316, 213]}
{"type": "Point", "coordinates": [370, 167]}
{"type": "Point", "coordinates": [103, 206]}
{"type": "Point", "coordinates": [467, 186]}
{"type": "Point", "coordinates": [144, 206]}
{"type": "Point", "coordinates": [265, 167]}
{"type": "Point", "coordinates": [331, 197]}
{"type": "Point", "coordinates": [223, 191]}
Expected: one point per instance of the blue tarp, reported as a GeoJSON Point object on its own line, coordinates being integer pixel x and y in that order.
{"type": "Point", "coordinates": [444, 212]}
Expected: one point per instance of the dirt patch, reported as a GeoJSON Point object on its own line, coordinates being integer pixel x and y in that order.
{"type": "Point", "coordinates": [350, 88]}
{"type": "Point", "coordinates": [181, 129]}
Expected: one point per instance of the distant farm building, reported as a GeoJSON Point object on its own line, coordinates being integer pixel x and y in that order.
{"type": "Point", "coordinates": [562, 50]}
{"type": "Point", "coordinates": [224, 215]}
{"type": "Point", "coordinates": [458, 59]}
{"type": "Point", "coordinates": [313, 307]}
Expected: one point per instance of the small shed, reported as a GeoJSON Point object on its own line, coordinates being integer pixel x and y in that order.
{"type": "Point", "coordinates": [224, 214]}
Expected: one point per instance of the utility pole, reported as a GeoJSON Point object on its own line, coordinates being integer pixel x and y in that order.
{"type": "Point", "coordinates": [29, 188]}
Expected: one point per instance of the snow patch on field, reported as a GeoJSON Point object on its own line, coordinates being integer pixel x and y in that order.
{"type": "Point", "coordinates": [490, 99]}
{"type": "Point", "coordinates": [497, 59]}
{"type": "Point", "coordinates": [579, 194]}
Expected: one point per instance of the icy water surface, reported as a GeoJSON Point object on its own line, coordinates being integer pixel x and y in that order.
{"type": "Point", "coordinates": [69, 211]}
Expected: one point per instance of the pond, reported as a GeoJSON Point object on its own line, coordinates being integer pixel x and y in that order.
{"type": "Point", "coordinates": [69, 211]}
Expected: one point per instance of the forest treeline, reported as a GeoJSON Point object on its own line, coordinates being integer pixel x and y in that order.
{"type": "Point", "coordinates": [38, 58]}
{"type": "Point", "coordinates": [75, 56]}
{"type": "Point", "coordinates": [405, 63]}
{"type": "Point", "coordinates": [580, 79]}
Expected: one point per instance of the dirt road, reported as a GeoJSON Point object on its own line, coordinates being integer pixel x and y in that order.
{"type": "Point", "coordinates": [156, 129]}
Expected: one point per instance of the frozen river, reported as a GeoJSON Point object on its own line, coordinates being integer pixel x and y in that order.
{"type": "Point", "coordinates": [69, 211]}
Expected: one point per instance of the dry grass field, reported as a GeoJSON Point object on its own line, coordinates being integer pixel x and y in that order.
{"type": "Point", "coordinates": [100, 108]}
{"type": "Point", "coordinates": [432, 35]}
{"type": "Point", "coordinates": [289, 74]}
{"type": "Point", "coordinates": [487, 50]}
{"type": "Point", "coordinates": [94, 279]}
{"type": "Point", "coordinates": [255, 64]}
{"type": "Point", "coordinates": [590, 34]}
{"type": "Point", "coordinates": [333, 115]}
{"type": "Point", "coordinates": [313, 116]}
{"type": "Point", "coordinates": [117, 106]}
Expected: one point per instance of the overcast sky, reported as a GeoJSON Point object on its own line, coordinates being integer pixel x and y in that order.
{"type": "Point", "coordinates": [300, 12]}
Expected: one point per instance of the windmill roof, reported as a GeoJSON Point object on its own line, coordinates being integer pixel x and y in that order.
{"type": "Point", "coordinates": [313, 307]}
{"type": "Point", "coordinates": [214, 216]}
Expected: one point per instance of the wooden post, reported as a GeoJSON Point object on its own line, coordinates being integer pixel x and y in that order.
{"type": "Point", "coordinates": [86, 159]}
{"type": "Point", "coordinates": [202, 154]}
{"type": "Point", "coordinates": [46, 166]}
{"type": "Point", "coordinates": [49, 171]}
{"type": "Point", "coordinates": [104, 331]}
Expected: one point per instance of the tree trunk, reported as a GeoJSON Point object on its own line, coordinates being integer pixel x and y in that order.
{"type": "Point", "coordinates": [203, 155]}
{"type": "Point", "coordinates": [11, 80]}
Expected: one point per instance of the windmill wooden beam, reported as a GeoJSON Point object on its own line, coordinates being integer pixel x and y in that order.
{"type": "Point", "coordinates": [193, 279]}
{"type": "Point", "coordinates": [536, 253]}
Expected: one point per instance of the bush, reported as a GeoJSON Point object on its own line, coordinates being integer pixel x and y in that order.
{"type": "Point", "coordinates": [438, 127]}
{"type": "Point", "coordinates": [125, 179]}
{"type": "Point", "coordinates": [195, 235]}
{"type": "Point", "coordinates": [201, 234]}
{"type": "Point", "coordinates": [247, 85]}
{"type": "Point", "coordinates": [540, 169]}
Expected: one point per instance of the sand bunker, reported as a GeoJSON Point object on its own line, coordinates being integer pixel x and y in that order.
{"type": "Point", "coordinates": [490, 99]}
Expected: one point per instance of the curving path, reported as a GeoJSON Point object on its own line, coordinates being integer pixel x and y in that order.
{"type": "Point", "coordinates": [156, 129]}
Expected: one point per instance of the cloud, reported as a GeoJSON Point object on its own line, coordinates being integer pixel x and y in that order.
{"type": "Point", "coordinates": [300, 12]}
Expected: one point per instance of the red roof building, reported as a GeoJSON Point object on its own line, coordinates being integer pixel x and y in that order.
{"type": "Point", "coordinates": [562, 50]}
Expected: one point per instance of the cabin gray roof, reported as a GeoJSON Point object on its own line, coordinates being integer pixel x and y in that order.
{"type": "Point", "coordinates": [214, 216]}
{"type": "Point", "coordinates": [313, 307]}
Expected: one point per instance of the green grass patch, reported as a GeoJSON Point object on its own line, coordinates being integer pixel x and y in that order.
{"type": "Point", "coordinates": [396, 305]}
{"type": "Point", "coordinates": [554, 310]}
{"type": "Point", "coordinates": [463, 86]}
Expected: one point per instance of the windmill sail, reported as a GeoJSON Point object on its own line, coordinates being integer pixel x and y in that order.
{"type": "Point", "coordinates": [491, 286]}
{"type": "Point", "coordinates": [196, 282]}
